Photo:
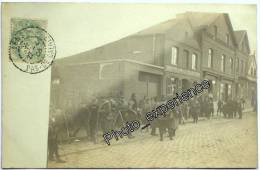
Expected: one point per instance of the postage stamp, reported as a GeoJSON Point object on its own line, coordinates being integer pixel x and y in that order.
{"type": "Point", "coordinates": [32, 48]}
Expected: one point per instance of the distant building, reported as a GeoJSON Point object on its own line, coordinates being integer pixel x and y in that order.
{"type": "Point", "coordinates": [161, 60]}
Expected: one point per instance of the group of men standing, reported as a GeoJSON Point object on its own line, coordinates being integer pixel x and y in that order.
{"type": "Point", "coordinates": [108, 113]}
{"type": "Point", "coordinates": [232, 108]}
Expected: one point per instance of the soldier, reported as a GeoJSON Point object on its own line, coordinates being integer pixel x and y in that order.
{"type": "Point", "coordinates": [146, 108]}
{"type": "Point", "coordinates": [185, 110]}
{"type": "Point", "coordinates": [180, 115]}
{"type": "Point", "coordinates": [154, 104]}
{"type": "Point", "coordinates": [243, 102]}
{"type": "Point", "coordinates": [220, 107]}
{"type": "Point", "coordinates": [174, 121]}
{"type": "Point", "coordinates": [114, 111]}
{"type": "Point", "coordinates": [229, 106]}
{"type": "Point", "coordinates": [225, 110]}
{"type": "Point", "coordinates": [94, 117]}
{"type": "Point", "coordinates": [132, 113]}
{"type": "Point", "coordinates": [68, 115]}
{"type": "Point", "coordinates": [105, 112]}
{"type": "Point", "coordinates": [239, 108]}
{"type": "Point", "coordinates": [195, 108]}
{"type": "Point", "coordinates": [82, 120]}
{"type": "Point", "coordinates": [211, 107]}
{"type": "Point", "coordinates": [234, 108]}
{"type": "Point", "coordinates": [141, 104]}
{"type": "Point", "coordinates": [53, 148]}
{"type": "Point", "coordinates": [122, 109]}
{"type": "Point", "coordinates": [206, 106]}
{"type": "Point", "coordinates": [202, 109]}
{"type": "Point", "coordinates": [165, 123]}
{"type": "Point", "coordinates": [133, 103]}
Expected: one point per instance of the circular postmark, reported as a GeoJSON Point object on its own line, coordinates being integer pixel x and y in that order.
{"type": "Point", "coordinates": [32, 50]}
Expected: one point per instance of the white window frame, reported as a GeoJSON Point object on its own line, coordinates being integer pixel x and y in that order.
{"type": "Point", "coordinates": [227, 38]}
{"type": "Point", "coordinates": [231, 60]}
{"type": "Point", "coordinates": [174, 55]}
{"type": "Point", "coordinates": [222, 65]}
{"type": "Point", "coordinates": [194, 61]}
{"type": "Point", "coordinates": [210, 52]}
{"type": "Point", "coordinates": [186, 55]}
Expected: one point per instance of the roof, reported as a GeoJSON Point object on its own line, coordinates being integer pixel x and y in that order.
{"type": "Point", "coordinates": [240, 36]}
{"type": "Point", "coordinates": [159, 28]}
{"type": "Point", "coordinates": [199, 20]}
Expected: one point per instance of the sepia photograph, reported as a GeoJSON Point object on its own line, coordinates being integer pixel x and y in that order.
{"type": "Point", "coordinates": [130, 85]}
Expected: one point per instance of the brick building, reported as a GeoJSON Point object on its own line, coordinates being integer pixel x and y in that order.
{"type": "Point", "coordinates": [160, 60]}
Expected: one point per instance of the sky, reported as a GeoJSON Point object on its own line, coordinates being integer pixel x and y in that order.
{"type": "Point", "coordinates": [78, 27]}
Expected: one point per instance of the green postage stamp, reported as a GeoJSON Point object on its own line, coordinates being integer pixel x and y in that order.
{"type": "Point", "coordinates": [32, 49]}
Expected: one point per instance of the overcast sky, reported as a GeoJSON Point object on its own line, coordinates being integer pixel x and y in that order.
{"type": "Point", "coordinates": [78, 27]}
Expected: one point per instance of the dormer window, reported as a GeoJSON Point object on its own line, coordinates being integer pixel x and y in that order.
{"type": "Point", "coordinates": [227, 39]}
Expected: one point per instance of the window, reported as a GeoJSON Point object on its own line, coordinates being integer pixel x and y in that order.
{"type": "Point", "coordinates": [223, 63]}
{"type": "Point", "coordinates": [237, 65]}
{"type": "Point", "coordinates": [229, 90]}
{"type": "Point", "coordinates": [244, 46]}
{"type": "Point", "coordinates": [242, 66]}
{"type": "Point", "coordinates": [227, 39]}
{"type": "Point", "coordinates": [231, 65]}
{"type": "Point", "coordinates": [244, 71]}
{"type": "Point", "coordinates": [194, 61]}
{"type": "Point", "coordinates": [215, 32]}
{"type": "Point", "coordinates": [186, 58]}
{"type": "Point", "coordinates": [174, 56]}
{"type": "Point", "coordinates": [252, 71]}
{"type": "Point", "coordinates": [210, 57]}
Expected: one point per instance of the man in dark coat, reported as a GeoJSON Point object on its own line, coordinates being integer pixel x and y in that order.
{"type": "Point", "coordinates": [53, 149]}
{"type": "Point", "coordinates": [211, 107]}
{"type": "Point", "coordinates": [195, 109]}
{"type": "Point", "coordinates": [206, 107]}
{"type": "Point", "coordinates": [220, 107]}
{"type": "Point", "coordinates": [82, 120]}
{"type": "Point", "coordinates": [168, 122]}
{"type": "Point", "coordinates": [105, 114]}
{"type": "Point", "coordinates": [94, 117]}
{"type": "Point", "coordinates": [234, 108]}
{"type": "Point", "coordinates": [239, 108]}
{"type": "Point", "coordinates": [154, 104]}
{"type": "Point", "coordinates": [229, 108]}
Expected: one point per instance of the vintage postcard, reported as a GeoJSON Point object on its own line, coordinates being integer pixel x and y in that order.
{"type": "Point", "coordinates": [110, 85]}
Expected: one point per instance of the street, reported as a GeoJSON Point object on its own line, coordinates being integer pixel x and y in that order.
{"type": "Point", "coordinates": [215, 143]}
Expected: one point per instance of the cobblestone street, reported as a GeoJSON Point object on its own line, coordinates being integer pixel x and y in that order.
{"type": "Point", "coordinates": [210, 143]}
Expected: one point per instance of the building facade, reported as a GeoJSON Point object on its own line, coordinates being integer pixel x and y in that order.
{"type": "Point", "coordinates": [161, 60]}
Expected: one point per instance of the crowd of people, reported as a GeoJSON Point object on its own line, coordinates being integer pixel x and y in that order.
{"type": "Point", "coordinates": [104, 114]}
